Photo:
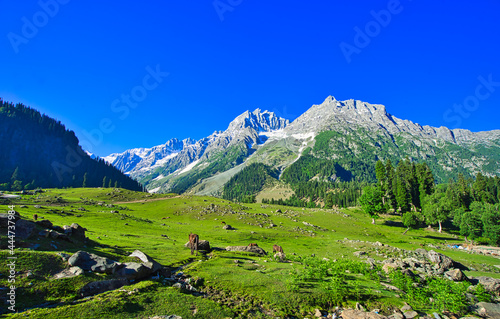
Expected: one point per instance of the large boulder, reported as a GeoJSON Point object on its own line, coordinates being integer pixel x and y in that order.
{"type": "Point", "coordinates": [45, 223]}
{"type": "Point", "coordinates": [97, 287]}
{"type": "Point", "coordinates": [279, 256]}
{"type": "Point", "coordinates": [24, 229]}
{"type": "Point", "coordinates": [487, 310]}
{"type": "Point", "coordinates": [250, 249]}
{"type": "Point", "coordinates": [92, 262]}
{"type": "Point", "coordinates": [133, 271]}
{"type": "Point", "coordinates": [489, 284]}
{"type": "Point", "coordinates": [202, 245]}
{"type": "Point", "coordinates": [4, 219]}
{"type": "Point", "coordinates": [156, 266]}
{"type": "Point", "coordinates": [440, 261]}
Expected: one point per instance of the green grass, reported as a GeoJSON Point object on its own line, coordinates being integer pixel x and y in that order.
{"type": "Point", "coordinates": [256, 287]}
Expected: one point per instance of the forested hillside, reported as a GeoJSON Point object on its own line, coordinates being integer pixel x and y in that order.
{"type": "Point", "coordinates": [38, 151]}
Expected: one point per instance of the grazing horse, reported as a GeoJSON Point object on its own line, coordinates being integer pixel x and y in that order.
{"type": "Point", "coordinates": [35, 217]}
{"type": "Point", "coordinates": [253, 244]}
{"type": "Point", "coordinates": [193, 242]}
{"type": "Point", "coordinates": [277, 248]}
{"type": "Point", "coordinates": [223, 223]}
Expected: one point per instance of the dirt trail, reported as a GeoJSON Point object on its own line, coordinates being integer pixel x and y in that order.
{"type": "Point", "coordinates": [146, 200]}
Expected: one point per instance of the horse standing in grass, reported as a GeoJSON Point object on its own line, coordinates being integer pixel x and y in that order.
{"type": "Point", "coordinates": [253, 244]}
{"type": "Point", "coordinates": [193, 242]}
{"type": "Point", "coordinates": [278, 249]}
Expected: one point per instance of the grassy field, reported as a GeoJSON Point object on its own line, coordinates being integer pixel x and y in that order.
{"type": "Point", "coordinates": [119, 222]}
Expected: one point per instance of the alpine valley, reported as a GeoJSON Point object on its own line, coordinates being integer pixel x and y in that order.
{"type": "Point", "coordinates": [351, 135]}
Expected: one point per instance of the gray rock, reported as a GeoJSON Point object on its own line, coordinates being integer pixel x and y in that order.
{"type": "Point", "coordinates": [24, 229]}
{"type": "Point", "coordinates": [357, 314]}
{"type": "Point", "coordinates": [250, 249]}
{"type": "Point", "coordinates": [69, 273]}
{"type": "Point", "coordinates": [97, 287]}
{"type": "Point", "coordinates": [359, 253]}
{"type": "Point", "coordinates": [147, 259]}
{"type": "Point", "coordinates": [441, 261]}
{"type": "Point", "coordinates": [4, 219]}
{"type": "Point", "coordinates": [410, 314]}
{"type": "Point", "coordinates": [166, 317]}
{"type": "Point", "coordinates": [133, 271]}
{"type": "Point", "coordinates": [202, 245]}
{"type": "Point", "coordinates": [489, 284]}
{"type": "Point", "coordinates": [488, 310]}
{"type": "Point", "coordinates": [78, 232]}
{"type": "Point", "coordinates": [92, 262]}
{"type": "Point", "coordinates": [45, 223]}
{"type": "Point", "coordinates": [281, 257]}
{"type": "Point", "coordinates": [227, 227]}
{"type": "Point", "coordinates": [455, 275]}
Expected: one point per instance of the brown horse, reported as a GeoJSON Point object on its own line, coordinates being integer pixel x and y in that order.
{"type": "Point", "coordinates": [193, 242]}
{"type": "Point", "coordinates": [277, 248]}
{"type": "Point", "coordinates": [253, 244]}
{"type": "Point", "coordinates": [35, 217]}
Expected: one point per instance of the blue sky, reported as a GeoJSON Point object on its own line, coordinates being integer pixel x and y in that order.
{"type": "Point", "coordinates": [137, 74]}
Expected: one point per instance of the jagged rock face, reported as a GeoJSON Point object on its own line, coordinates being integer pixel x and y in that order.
{"type": "Point", "coordinates": [263, 135]}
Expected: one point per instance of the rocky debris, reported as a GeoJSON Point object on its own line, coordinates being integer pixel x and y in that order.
{"type": "Point", "coordinates": [281, 257]}
{"type": "Point", "coordinates": [358, 314]}
{"type": "Point", "coordinates": [250, 249]}
{"type": "Point", "coordinates": [156, 266]}
{"type": "Point", "coordinates": [45, 223]}
{"type": "Point", "coordinates": [92, 262]}
{"type": "Point", "coordinates": [24, 229]}
{"type": "Point", "coordinates": [69, 273]}
{"type": "Point", "coordinates": [202, 245]}
{"type": "Point", "coordinates": [488, 310]}
{"type": "Point", "coordinates": [97, 287]}
{"type": "Point", "coordinates": [133, 271]}
{"type": "Point", "coordinates": [489, 284]}
{"type": "Point", "coordinates": [410, 314]}
{"type": "Point", "coordinates": [455, 275]}
{"type": "Point", "coordinates": [166, 317]}
{"type": "Point", "coordinates": [228, 227]}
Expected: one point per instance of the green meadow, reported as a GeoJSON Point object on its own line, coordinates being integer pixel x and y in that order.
{"type": "Point", "coordinates": [321, 271]}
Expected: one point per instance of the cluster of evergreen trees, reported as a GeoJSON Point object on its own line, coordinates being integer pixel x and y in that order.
{"type": "Point", "coordinates": [243, 186]}
{"type": "Point", "coordinates": [473, 206]}
{"type": "Point", "coordinates": [38, 151]}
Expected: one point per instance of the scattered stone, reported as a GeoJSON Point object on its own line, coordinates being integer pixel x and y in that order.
{"type": "Point", "coordinates": [78, 232]}
{"type": "Point", "coordinates": [357, 314]}
{"type": "Point", "coordinates": [489, 284]}
{"type": "Point", "coordinates": [455, 275]}
{"type": "Point", "coordinates": [250, 249]}
{"type": "Point", "coordinates": [64, 256]}
{"type": "Point", "coordinates": [146, 259]}
{"type": "Point", "coordinates": [97, 287]}
{"type": "Point", "coordinates": [92, 262]}
{"type": "Point", "coordinates": [410, 314]}
{"type": "Point", "coordinates": [69, 273]}
{"type": "Point", "coordinates": [202, 245]}
{"type": "Point", "coordinates": [388, 267]}
{"type": "Point", "coordinates": [360, 253]}
{"type": "Point", "coordinates": [45, 223]}
{"type": "Point", "coordinates": [488, 310]}
{"type": "Point", "coordinates": [317, 313]}
{"type": "Point", "coordinates": [280, 256]}
{"type": "Point", "coordinates": [227, 227]}
{"type": "Point", "coordinates": [441, 261]}
{"type": "Point", "coordinates": [133, 271]}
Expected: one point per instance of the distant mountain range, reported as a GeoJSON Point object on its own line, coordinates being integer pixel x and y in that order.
{"type": "Point", "coordinates": [347, 132]}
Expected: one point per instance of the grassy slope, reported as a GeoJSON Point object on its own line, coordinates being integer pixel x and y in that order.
{"type": "Point", "coordinates": [250, 283]}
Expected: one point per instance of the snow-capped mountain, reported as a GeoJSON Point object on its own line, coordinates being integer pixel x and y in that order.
{"type": "Point", "coordinates": [151, 165]}
{"type": "Point", "coordinates": [350, 131]}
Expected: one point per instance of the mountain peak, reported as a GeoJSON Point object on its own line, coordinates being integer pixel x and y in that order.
{"type": "Point", "coordinates": [261, 121]}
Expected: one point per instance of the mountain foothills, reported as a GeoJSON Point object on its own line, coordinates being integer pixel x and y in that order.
{"type": "Point", "coordinates": [333, 143]}
{"type": "Point", "coordinates": [38, 151]}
